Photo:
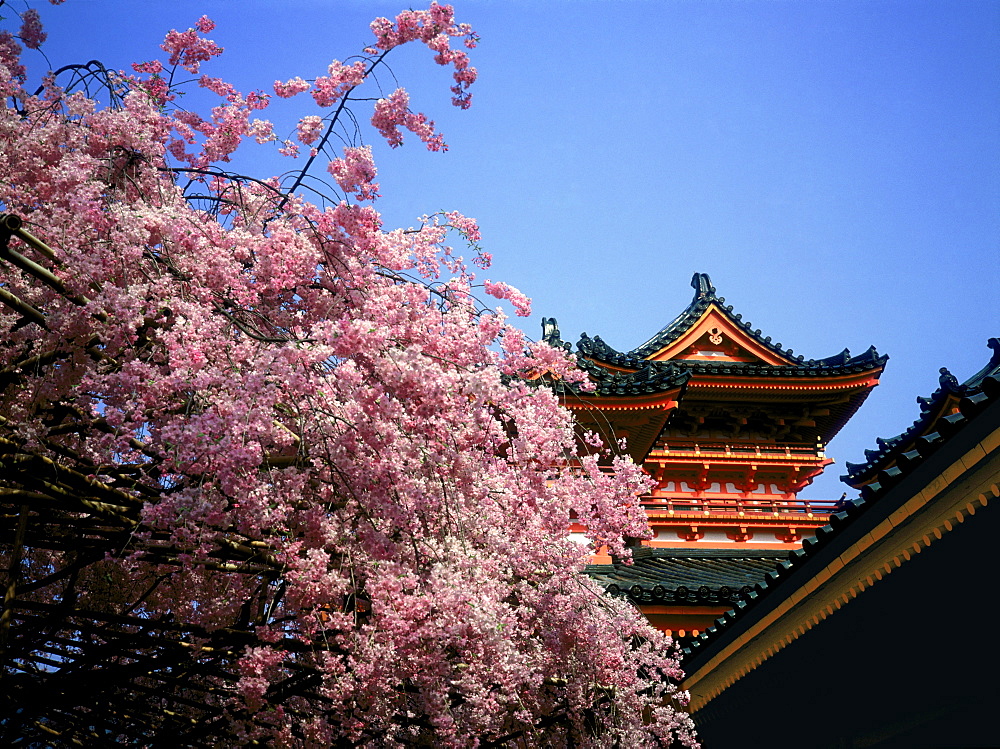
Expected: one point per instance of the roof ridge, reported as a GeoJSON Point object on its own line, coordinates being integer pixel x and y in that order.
{"type": "Point", "coordinates": [706, 295]}
{"type": "Point", "coordinates": [891, 448]}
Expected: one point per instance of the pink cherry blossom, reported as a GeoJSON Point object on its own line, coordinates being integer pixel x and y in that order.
{"type": "Point", "coordinates": [31, 29]}
{"type": "Point", "coordinates": [310, 128]}
{"type": "Point", "coordinates": [328, 89]}
{"type": "Point", "coordinates": [352, 496]}
{"type": "Point", "coordinates": [152, 67]}
{"type": "Point", "coordinates": [393, 112]}
{"type": "Point", "coordinates": [205, 25]}
{"type": "Point", "coordinates": [189, 50]}
{"type": "Point", "coordinates": [290, 88]}
{"type": "Point", "coordinates": [12, 71]}
{"type": "Point", "coordinates": [501, 290]}
{"type": "Point", "coordinates": [355, 173]}
{"type": "Point", "coordinates": [435, 27]}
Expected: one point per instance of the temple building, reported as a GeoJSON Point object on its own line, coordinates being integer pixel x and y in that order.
{"type": "Point", "coordinates": [732, 427]}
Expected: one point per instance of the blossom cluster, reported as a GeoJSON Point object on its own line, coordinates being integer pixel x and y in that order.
{"type": "Point", "coordinates": [393, 112]}
{"type": "Point", "coordinates": [295, 377]}
{"type": "Point", "coordinates": [355, 173]}
{"type": "Point", "coordinates": [328, 89]}
{"type": "Point", "coordinates": [188, 49]}
{"type": "Point", "coordinates": [31, 29]}
{"type": "Point", "coordinates": [501, 290]}
{"type": "Point", "coordinates": [435, 27]}
{"type": "Point", "coordinates": [216, 138]}
{"type": "Point", "coordinates": [291, 87]}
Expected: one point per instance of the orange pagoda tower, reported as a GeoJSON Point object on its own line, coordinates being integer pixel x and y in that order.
{"type": "Point", "coordinates": [732, 427]}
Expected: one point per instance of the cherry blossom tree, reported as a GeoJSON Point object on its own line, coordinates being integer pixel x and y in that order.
{"type": "Point", "coordinates": [271, 471]}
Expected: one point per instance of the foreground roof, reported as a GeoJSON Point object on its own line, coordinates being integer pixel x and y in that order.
{"type": "Point", "coordinates": [949, 474]}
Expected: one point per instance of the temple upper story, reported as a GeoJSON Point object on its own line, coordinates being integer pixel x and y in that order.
{"type": "Point", "coordinates": [730, 424]}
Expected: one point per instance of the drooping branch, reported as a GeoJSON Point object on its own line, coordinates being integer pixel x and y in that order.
{"type": "Point", "coordinates": [334, 121]}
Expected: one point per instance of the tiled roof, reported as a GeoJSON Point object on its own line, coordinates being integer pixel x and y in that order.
{"type": "Point", "coordinates": [652, 377]}
{"type": "Point", "coordinates": [691, 576]}
{"type": "Point", "coordinates": [645, 378]}
{"type": "Point", "coordinates": [932, 409]}
{"type": "Point", "coordinates": [704, 295]}
{"type": "Point", "coordinates": [838, 364]}
{"type": "Point", "coordinates": [977, 399]}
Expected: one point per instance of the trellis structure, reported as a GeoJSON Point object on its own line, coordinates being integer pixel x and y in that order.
{"type": "Point", "coordinates": [83, 663]}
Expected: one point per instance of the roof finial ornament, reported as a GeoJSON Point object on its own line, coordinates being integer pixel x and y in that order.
{"type": "Point", "coordinates": [702, 286]}
{"type": "Point", "coordinates": [947, 379]}
{"type": "Point", "coordinates": [550, 331]}
{"type": "Point", "coordinates": [994, 344]}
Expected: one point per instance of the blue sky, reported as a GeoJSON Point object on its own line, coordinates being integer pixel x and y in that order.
{"type": "Point", "coordinates": [833, 165]}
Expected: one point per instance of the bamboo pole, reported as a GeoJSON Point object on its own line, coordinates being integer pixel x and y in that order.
{"type": "Point", "coordinates": [13, 577]}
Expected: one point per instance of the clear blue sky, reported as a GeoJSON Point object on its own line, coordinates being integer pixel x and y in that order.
{"type": "Point", "coordinates": [833, 165]}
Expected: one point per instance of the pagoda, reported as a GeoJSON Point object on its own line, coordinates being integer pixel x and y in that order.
{"type": "Point", "coordinates": [732, 427]}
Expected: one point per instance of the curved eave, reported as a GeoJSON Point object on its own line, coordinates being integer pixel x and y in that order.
{"type": "Point", "coordinates": [776, 361]}
{"type": "Point", "coordinates": [686, 576]}
{"type": "Point", "coordinates": [611, 367]}
{"type": "Point", "coordinates": [848, 391]}
{"type": "Point", "coordinates": [940, 405]}
{"type": "Point", "coordinates": [790, 383]}
{"type": "Point", "coordinates": [715, 317]}
{"type": "Point", "coordinates": [599, 352]}
{"type": "Point", "coordinates": [704, 299]}
{"type": "Point", "coordinates": [834, 367]}
{"type": "Point", "coordinates": [844, 414]}
{"type": "Point", "coordinates": [641, 417]}
{"type": "Point", "coordinates": [666, 400]}
{"type": "Point", "coordinates": [651, 381]}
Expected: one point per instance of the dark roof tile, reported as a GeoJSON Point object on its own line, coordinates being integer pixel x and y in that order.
{"type": "Point", "coordinates": [975, 392]}
{"type": "Point", "coordinates": [688, 575]}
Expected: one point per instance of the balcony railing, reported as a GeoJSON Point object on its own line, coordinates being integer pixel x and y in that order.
{"type": "Point", "coordinates": [761, 452]}
{"type": "Point", "coordinates": [737, 507]}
